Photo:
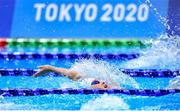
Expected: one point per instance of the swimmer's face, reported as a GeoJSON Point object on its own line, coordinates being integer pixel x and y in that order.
{"type": "Point", "coordinates": [96, 84]}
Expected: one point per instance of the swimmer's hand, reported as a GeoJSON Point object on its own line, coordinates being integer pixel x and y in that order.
{"type": "Point", "coordinates": [43, 69]}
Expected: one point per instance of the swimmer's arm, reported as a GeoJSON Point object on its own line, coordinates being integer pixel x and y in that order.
{"type": "Point", "coordinates": [62, 71]}
{"type": "Point", "coordinates": [66, 72]}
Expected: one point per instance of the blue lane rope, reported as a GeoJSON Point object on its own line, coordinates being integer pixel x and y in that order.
{"type": "Point", "coordinates": [132, 72]}
{"type": "Point", "coordinates": [151, 72]}
{"type": "Point", "coordinates": [37, 92]}
{"type": "Point", "coordinates": [66, 56]}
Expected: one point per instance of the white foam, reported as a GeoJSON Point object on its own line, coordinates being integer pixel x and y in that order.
{"type": "Point", "coordinates": [103, 70]}
{"type": "Point", "coordinates": [164, 54]}
{"type": "Point", "coordinates": [105, 102]}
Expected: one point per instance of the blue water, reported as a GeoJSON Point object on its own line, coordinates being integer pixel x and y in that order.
{"type": "Point", "coordinates": [76, 102]}
{"type": "Point", "coordinates": [59, 82]}
{"type": "Point", "coordinates": [80, 102]}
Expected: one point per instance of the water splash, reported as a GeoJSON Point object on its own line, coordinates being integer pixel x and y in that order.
{"type": "Point", "coordinates": [174, 83]}
{"type": "Point", "coordinates": [105, 103]}
{"type": "Point", "coordinates": [164, 54]}
{"type": "Point", "coordinates": [105, 71]}
{"type": "Point", "coordinates": [164, 20]}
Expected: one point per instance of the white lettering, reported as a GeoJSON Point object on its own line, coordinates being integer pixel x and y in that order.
{"type": "Point", "coordinates": [78, 11]}
{"type": "Point", "coordinates": [143, 12]}
{"type": "Point", "coordinates": [132, 8]}
{"type": "Point", "coordinates": [91, 8]}
{"type": "Point", "coordinates": [39, 7]}
{"type": "Point", "coordinates": [64, 12]}
{"type": "Point", "coordinates": [51, 12]}
{"type": "Point", "coordinates": [119, 12]}
{"type": "Point", "coordinates": [89, 12]}
{"type": "Point", "coordinates": [108, 8]}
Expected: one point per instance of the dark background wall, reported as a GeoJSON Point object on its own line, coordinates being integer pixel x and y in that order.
{"type": "Point", "coordinates": [6, 16]}
{"type": "Point", "coordinates": [174, 17]}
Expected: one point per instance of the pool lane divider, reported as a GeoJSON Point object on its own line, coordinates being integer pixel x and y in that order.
{"type": "Point", "coordinates": [72, 42]}
{"type": "Point", "coordinates": [3, 43]}
{"type": "Point", "coordinates": [18, 55]}
{"type": "Point", "coordinates": [150, 73]}
{"type": "Point", "coordinates": [39, 92]}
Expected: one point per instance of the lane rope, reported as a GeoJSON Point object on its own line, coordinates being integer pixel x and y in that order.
{"type": "Point", "coordinates": [17, 55]}
{"type": "Point", "coordinates": [38, 92]}
{"type": "Point", "coordinates": [72, 42]}
{"type": "Point", "coordinates": [151, 73]}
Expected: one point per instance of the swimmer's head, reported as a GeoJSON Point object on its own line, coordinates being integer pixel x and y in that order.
{"type": "Point", "coordinates": [96, 84]}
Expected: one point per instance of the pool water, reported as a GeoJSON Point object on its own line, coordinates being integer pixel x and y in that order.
{"type": "Point", "coordinates": [78, 102]}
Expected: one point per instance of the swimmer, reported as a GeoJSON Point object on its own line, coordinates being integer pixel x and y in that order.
{"type": "Point", "coordinates": [74, 75]}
